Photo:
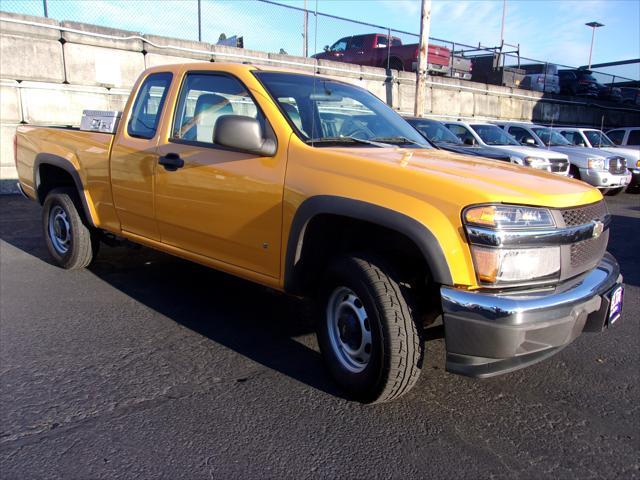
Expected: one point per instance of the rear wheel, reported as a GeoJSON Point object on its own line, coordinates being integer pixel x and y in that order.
{"type": "Point", "coordinates": [369, 340]}
{"type": "Point", "coordinates": [396, 64]}
{"type": "Point", "coordinates": [71, 242]}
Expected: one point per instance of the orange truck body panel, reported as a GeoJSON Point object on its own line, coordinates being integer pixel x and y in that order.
{"type": "Point", "coordinates": [234, 211]}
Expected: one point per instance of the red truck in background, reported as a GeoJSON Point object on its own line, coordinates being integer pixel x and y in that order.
{"type": "Point", "coordinates": [376, 49]}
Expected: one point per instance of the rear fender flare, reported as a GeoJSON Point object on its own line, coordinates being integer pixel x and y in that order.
{"type": "Point", "coordinates": [67, 166]}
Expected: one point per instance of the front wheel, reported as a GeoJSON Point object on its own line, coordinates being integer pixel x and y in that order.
{"type": "Point", "coordinates": [369, 340]}
{"type": "Point", "coordinates": [612, 192]}
{"type": "Point", "coordinates": [71, 242]}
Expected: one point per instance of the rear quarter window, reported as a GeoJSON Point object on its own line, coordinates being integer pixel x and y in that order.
{"type": "Point", "coordinates": [146, 110]}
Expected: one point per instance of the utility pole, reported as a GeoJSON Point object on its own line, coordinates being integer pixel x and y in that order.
{"type": "Point", "coordinates": [421, 74]}
{"type": "Point", "coordinates": [305, 31]}
{"type": "Point", "coordinates": [199, 21]}
{"type": "Point", "coordinates": [593, 26]}
{"type": "Point", "coordinates": [504, 16]}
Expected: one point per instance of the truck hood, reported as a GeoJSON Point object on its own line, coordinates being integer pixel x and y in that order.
{"type": "Point", "coordinates": [522, 151]}
{"type": "Point", "coordinates": [579, 155]}
{"type": "Point", "coordinates": [462, 179]}
{"type": "Point", "coordinates": [631, 154]}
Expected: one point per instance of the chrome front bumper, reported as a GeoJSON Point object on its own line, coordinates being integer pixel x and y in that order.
{"type": "Point", "coordinates": [604, 179]}
{"type": "Point", "coordinates": [492, 333]}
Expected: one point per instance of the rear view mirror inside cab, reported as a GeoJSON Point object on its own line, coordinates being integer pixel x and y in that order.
{"type": "Point", "coordinates": [323, 97]}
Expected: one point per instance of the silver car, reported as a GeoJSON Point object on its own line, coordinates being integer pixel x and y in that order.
{"type": "Point", "coordinates": [599, 168]}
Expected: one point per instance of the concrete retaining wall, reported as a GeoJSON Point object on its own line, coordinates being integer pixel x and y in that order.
{"type": "Point", "coordinates": [49, 75]}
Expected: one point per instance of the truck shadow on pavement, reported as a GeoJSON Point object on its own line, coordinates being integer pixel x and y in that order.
{"type": "Point", "coordinates": [265, 326]}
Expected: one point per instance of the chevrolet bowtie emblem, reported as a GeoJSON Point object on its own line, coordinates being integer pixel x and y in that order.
{"type": "Point", "coordinates": [598, 228]}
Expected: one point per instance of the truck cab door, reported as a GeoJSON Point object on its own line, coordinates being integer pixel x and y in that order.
{"type": "Point", "coordinates": [134, 157]}
{"type": "Point", "coordinates": [212, 201]}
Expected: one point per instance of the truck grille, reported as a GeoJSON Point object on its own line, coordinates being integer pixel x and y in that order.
{"type": "Point", "coordinates": [582, 256]}
{"type": "Point", "coordinates": [585, 214]}
{"type": "Point", "coordinates": [587, 253]}
{"type": "Point", "coordinates": [617, 165]}
{"type": "Point", "coordinates": [559, 165]}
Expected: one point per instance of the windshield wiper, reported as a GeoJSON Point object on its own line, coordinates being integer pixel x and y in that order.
{"type": "Point", "coordinates": [348, 140]}
{"type": "Point", "coordinates": [397, 140]}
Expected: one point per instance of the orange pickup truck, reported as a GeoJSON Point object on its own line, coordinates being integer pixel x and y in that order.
{"type": "Point", "coordinates": [317, 188]}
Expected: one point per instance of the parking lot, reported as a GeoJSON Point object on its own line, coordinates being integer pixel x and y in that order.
{"type": "Point", "coordinates": [147, 366]}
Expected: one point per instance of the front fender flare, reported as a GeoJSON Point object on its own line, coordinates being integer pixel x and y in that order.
{"type": "Point", "coordinates": [359, 210]}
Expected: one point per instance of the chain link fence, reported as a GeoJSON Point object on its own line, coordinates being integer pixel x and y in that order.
{"type": "Point", "coordinates": [268, 26]}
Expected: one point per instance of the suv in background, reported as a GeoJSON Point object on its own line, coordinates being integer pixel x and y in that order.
{"type": "Point", "coordinates": [541, 77]}
{"type": "Point", "coordinates": [609, 93]}
{"type": "Point", "coordinates": [590, 137]}
{"type": "Point", "coordinates": [630, 96]}
{"type": "Point", "coordinates": [578, 83]}
{"type": "Point", "coordinates": [443, 138]}
{"type": "Point", "coordinates": [603, 170]}
{"type": "Point", "coordinates": [489, 135]}
{"type": "Point", "coordinates": [628, 137]}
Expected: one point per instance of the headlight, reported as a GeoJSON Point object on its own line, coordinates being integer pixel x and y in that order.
{"type": "Point", "coordinates": [508, 217]}
{"type": "Point", "coordinates": [595, 163]}
{"type": "Point", "coordinates": [500, 266]}
{"type": "Point", "coordinates": [537, 162]}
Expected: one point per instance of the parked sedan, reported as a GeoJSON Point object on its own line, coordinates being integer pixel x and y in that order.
{"type": "Point", "coordinates": [441, 137]}
{"type": "Point", "coordinates": [603, 170]}
{"type": "Point", "coordinates": [489, 135]}
{"type": "Point", "coordinates": [578, 83]}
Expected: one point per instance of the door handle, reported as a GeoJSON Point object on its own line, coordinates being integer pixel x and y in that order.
{"type": "Point", "coordinates": [171, 162]}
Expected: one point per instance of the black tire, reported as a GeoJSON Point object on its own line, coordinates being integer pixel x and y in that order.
{"type": "Point", "coordinates": [396, 349]}
{"type": "Point", "coordinates": [612, 192]}
{"type": "Point", "coordinates": [396, 64]}
{"type": "Point", "coordinates": [82, 241]}
{"type": "Point", "coordinates": [574, 172]}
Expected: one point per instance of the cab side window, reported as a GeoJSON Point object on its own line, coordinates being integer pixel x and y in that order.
{"type": "Point", "coordinates": [574, 137]}
{"type": "Point", "coordinates": [520, 134]}
{"type": "Point", "coordinates": [616, 136]}
{"type": "Point", "coordinates": [148, 105]}
{"type": "Point", "coordinates": [204, 99]}
{"type": "Point", "coordinates": [461, 132]}
{"type": "Point", "coordinates": [634, 137]}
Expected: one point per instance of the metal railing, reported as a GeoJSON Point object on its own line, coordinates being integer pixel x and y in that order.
{"type": "Point", "coordinates": [269, 26]}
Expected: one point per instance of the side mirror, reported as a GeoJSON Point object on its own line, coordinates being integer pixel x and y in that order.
{"type": "Point", "coordinates": [470, 141]}
{"type": "Point", "coordinates": [244, 134]}
{"type": "Point", "coordinates": [326, 48]}
{"type": "Point", "coordinates": [529, 141]}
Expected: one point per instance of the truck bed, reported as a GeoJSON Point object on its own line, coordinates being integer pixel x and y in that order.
{"type": "Point", "coordinates": [87, 152]}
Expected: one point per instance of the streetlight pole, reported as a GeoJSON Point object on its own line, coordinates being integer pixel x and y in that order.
{"type": "Point", "coordinates": [593, 26]}
{"type": "Point", "coordinates": [421, 74]}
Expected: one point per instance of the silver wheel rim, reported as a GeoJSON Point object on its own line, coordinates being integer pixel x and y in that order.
{"type": "Point", "coordinates": [59, 229]}
{"type": "Point", "coordinates": [349, 329]}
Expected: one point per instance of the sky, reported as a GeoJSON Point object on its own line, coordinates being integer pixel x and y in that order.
{"type": "Point", "coordinates": [551, 30]}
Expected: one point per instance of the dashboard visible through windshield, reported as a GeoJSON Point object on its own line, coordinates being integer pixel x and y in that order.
{"type": "Point", "coordinates": [325, 112]}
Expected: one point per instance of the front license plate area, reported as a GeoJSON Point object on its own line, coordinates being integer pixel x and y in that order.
{"type": "Point", "coordinates": [615, 306]}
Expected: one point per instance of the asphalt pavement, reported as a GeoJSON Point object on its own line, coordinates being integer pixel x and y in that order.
{"type": "Point", "coordinates": [147, 366]}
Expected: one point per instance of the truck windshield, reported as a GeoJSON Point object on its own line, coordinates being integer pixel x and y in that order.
{"type": "Point", "coordinates": [551, 138]}
{"type": "Point", "coordinates": [598, 139]}
{"type": "Point", "coordinates": [435, 132]}
{"type": "Point", "coordinates": [325, 112]}
{"type": "Point", "coordinates": [493, 135]}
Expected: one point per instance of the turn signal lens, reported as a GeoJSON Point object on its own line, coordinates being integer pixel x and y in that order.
{"type": "Point", "coordinates": [495, 266]}
{"type": "Point", "coordinates": [508, 217]}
